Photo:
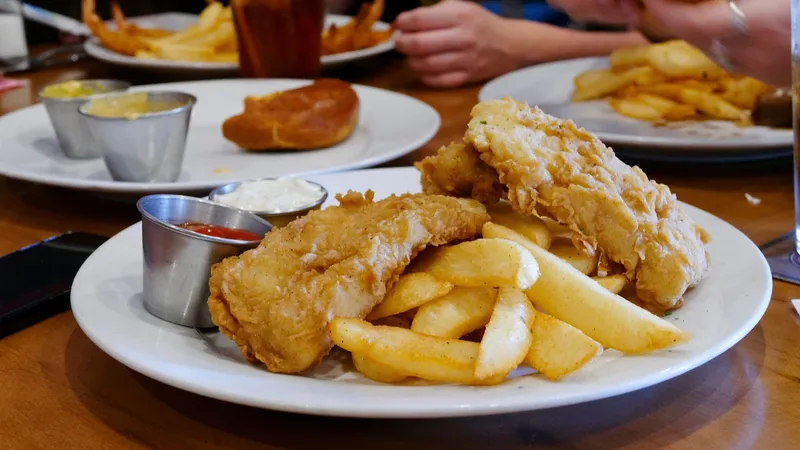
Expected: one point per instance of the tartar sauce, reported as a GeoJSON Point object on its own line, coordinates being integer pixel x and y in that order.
{"type": "Point", "coordinates": [282, 194]}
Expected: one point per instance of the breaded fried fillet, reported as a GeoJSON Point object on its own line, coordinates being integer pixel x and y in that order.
{"type": "Point", "coordinates": [551, 168]}
{"type": "Point", "coordinates": [277, 300]}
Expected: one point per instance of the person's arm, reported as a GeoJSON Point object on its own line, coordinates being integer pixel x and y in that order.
{"type": "Point", "coordinates": [535, 43]}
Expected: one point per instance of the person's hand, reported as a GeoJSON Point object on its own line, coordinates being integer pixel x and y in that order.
{"type": "Point", "coordinates": [764, 52]}
{"type": "Point", "coordinates": [613, 12]}
{"type": "Point", "coordinates": [455, 42]}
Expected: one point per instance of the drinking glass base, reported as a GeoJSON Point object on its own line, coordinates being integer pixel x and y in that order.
{"type": "Point", "coordinates": [783, 259]}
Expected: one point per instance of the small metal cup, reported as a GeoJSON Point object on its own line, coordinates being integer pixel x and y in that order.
{"type": "Point", "coordinates": [72, 133]}
{"type": "Point", "coordinates": [146, 148]}
{"type": "Point", "coordinates": [177, 262]}
{"type": "Point", "coordinates": [278, 218]}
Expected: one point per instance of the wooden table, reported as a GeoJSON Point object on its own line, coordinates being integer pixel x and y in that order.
{"type": "Point", "coordinates": [58, 390]}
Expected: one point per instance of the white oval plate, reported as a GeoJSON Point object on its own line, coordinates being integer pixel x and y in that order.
{"type": "Point", "coordinates": [390, 125]}
{"type": "Point", "coordinates": [550, 86]}
{"type": "Point", "coordinates": [107, 303]}
{"type": "Point", "coordinates": [179, 21]}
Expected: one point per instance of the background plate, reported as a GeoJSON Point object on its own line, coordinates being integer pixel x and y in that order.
{"type": "Point", "coordinates": [390, 125]}
{"type": "Point", "coordinates": [550, 86]}
{"type": "Point", "coordinates": [107, 303]}
{"type": "Point", "coordinates": [179, 21]}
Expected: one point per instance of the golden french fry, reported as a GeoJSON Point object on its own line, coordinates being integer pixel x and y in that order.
{"type": "Point", "coordinates": [226, 14]}
{"type": "Point", "coordinates": [231, 45]}
{"type": "Point", "coordinates": [215, 37]}
{"type": "Point", "coordinates": [214, 32]}
{"type": "Point", "coordinates": [635, 109]}
{"type": "Point", "coordinates": [211, 15]}
{"type": "Point", "coordinates": [614, 283]}
{"type": "Point", "coordinates": [660, 103]}
{"type": "Point", "coordinates": [649, 77]}
{"type": "Point", "coordinates": [584, 263]}
{"type": "Point", "coordinates": [699, 85]}
{"type": "Point", "coordinates": [531, 227]}
{"type": "Point", "coordinates": [627, 57]}
{"type": "Point", "coordinates": [629, 91]}
{"type": "Point", "coordinates": [411, 291]}
{"type": "Point", "coordinates": [605, 82]}
{"type": "Point", "coordinates": [209, 18]}
{"type": "Point", "coordinates": [671, 91]}
{"type": "Point", "coordinates": [179, 36]}
{"type": "Point", "coordinates": [418, 355]}
{"type": "Point", "coordinates": [375, 370]}
{"type": "Point", "coordinates": [462, 310]}
{"type": "Point", "coordinates": [712, 105]}
{"type": "Point", "coordinates": [196, 46]}
{"type": "Point", "coordinates": [743, 92]}
{"type": "Point", "coordinates": [672, 71]}
{"type": "Point", "coordinates": [669, 109]}
{"type": "Point", "coordinates": [591, 77]}
{"type": "Point", "coordinates": [680, 112]}
{"type": "Point", "coordinates": [507, 338]}
{"type": "Point", "coordinates": [558, 348]}
{"type": "Point", "coordinates": [483, 262]}
{"type": "Point", "coordinates": [571, 296]}
{"type": "Point", "coordinates": [679, 59]}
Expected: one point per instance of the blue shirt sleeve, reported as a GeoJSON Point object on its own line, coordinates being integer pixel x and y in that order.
{"type": "Point", "coordinates": [537, 11]}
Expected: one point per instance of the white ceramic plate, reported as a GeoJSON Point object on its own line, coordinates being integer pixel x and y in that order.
{"type": "Point", "coordinates": [390, 125]}
{"type": "Point", "coordinates": [107, 303]}
{"type": "Point", "coordinates": [550, 86]}
{"type": "Point", "coordinates": [179, 21]}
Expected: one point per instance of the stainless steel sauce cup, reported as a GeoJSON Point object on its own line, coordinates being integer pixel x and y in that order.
{"type": "Point", "coordinates": [278, 218]}
{"type": "Point", "coordinates": [73, 135]}
{"type": "Point", "coordinates": [143, 148]}
{"type": "Point", "coordinates": [177, 262]}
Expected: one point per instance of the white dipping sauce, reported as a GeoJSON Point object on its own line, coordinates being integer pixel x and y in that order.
{"type": "Point", "coordinates": [282, 194]}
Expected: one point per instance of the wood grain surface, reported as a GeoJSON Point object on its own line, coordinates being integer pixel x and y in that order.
{"type": "Point", "coordinates": [58, 390]}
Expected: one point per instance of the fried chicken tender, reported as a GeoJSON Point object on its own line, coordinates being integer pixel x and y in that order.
{"type": "Point", "coordinates": [277, 300]}
{"type": "Point", "coordinates": [457, 170]}
{"type": "Point", "coordinates": [551, 168]}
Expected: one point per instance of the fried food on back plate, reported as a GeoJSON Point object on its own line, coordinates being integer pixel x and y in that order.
{"type": "Point", "coordinates": [319, 115]}
{"type": "Point", "coordinates": [126, 27]}
{"type": "Point", "coordinates": [116, 40]}
{"type": "Point", "coordinates": [551, 168]}
{"type": "Point", "coordinates": [277, 300]}
{"type": "Point", "coordinates": [356, 34]}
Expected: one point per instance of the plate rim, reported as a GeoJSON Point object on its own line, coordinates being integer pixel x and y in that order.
{"type": "Point", "coordinates": [95, 49]}
{"type": "Point", "coordinates": [726, 149]}
{"type": "Point", "coordinates": [518, 404]}
{"type": "Point", "coordinates": [123, 187]}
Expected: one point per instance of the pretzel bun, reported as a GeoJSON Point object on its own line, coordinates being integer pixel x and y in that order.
{"type": "Point", "coordinates": [319, 115]}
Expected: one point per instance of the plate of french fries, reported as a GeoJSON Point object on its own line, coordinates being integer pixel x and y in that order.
{"type": "Point", "coordinates": [468, 329]}
{"type": "Point", "coordinates": [667, 95]}
{"type": "Point", "coordinates": [207, 42]}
